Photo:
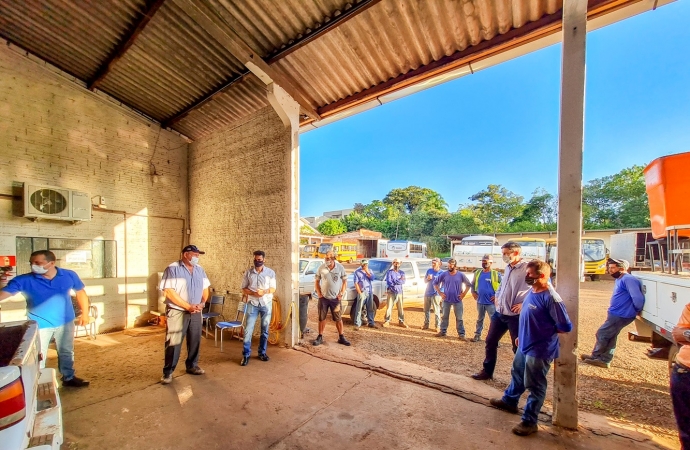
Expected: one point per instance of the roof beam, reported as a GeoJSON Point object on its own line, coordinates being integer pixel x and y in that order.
{"type": "Point", "coordinates": [130, 36]}
{"type": "Point", "coordinates": [216, 27]}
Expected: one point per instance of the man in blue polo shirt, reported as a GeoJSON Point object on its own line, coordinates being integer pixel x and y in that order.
{"type": "Point", "coordinates": [455, 286]}
{"type": "Point", "coordinates": [47, 291]}
{"type": "Point", "coordinates": [430, 296]}
{"type": "Point", "coordinates": [542, 317]}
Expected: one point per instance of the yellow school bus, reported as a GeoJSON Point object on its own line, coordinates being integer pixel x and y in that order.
{"type": "Point", "coordinates": [309, 251]}
{"type": "Point", "coordinates": [344, 251]}
{"type": "Point", "coordinates": [594, 255]}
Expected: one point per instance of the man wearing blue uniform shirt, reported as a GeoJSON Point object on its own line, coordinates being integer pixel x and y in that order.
{"type": "Point", "coordinates": [484, 287]}
{"type": "Point", "coordinates": [395, 280]}
{"type": "Point", "coordinates": [185, 286]}
{"type": "Point", "coordinates": [455, 286]}
{"type": "Point", "coordinates": [363, 278]}
{"type": "Point", "coordinates": [47, 291]}
{"type": "Point", "coordinates": [542, 317]}
{"type": "Point", "coordinates": [430, 296]}
{"type": "Point", "coordinates": [627, 302]}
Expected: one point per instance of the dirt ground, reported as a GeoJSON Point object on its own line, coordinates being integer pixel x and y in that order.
{"type": "Point", "coordinates": [634, 389]}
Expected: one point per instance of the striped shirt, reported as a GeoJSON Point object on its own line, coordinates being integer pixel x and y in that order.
{"type": "Point", "coordinates": [189, 285]}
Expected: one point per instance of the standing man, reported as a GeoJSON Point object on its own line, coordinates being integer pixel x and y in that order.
{"type": "Point", "coordinates": [48, 302]}
{"type": "Point", "coordinates": [626, 302]}
{"type": "Point", "coordinates": [509, 297]}
{"type": "Point", "coordinates": [363, 278]}
{"type": "Point", "coordinates": [430, 295]}
{"type": "Point", "coordinates": [484, 287]}
{"type": "Point", "coordinates": [680, 378]}
{"type": "Point", "coordinates": [395, 280]}
{"type": "Point", "coordinates": [259, 284]}
{"type": "Point", "coordinates": [542, 317]}
{"type": "Point", "coordinates": [185, 286]}
{"type": "Point", "coordinates": [455, 286]}
{"type": "Point", "coordinates": [331, 282]}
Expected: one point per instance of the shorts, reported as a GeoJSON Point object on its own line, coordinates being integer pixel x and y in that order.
{"type": "Point", "coordinates": [334, 305]}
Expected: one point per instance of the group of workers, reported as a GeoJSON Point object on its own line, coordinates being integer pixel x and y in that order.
{"type": "Point", "coordinates": [522, 302]}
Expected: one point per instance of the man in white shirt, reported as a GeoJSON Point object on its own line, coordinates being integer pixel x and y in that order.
{"type": "Point", "coordinates": [259, 284]}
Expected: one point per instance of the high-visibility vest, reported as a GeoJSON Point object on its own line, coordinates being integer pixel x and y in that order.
{"type": "Point", "coordinates": [494, 279]}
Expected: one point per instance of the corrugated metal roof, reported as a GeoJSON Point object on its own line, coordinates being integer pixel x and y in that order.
{"type": "Point", "coordinates": [174, 63]}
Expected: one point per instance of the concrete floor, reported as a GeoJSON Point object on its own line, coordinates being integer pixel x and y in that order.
{"type": "Point", "coordinates": [303, 401]}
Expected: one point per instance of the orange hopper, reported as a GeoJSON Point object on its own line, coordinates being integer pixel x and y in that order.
{"type": "Point", "coordinates": [668, 188]}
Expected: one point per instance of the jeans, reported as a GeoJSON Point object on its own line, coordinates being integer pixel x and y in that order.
{"type": "Point", "coordinates": [528, 373]}
{"type": "Point", "coordinates": [680, 393]}
{"type": "Point", "coordinates": [395, 299]}
{"type": "Point", "coordinates": [181, 324]}
{"type": "Point", "coordinates": [365, 299]}
{"type": "Point", "coordinates": [607, 337]}
{"type": "Point", "coordinates": [430, 300]}
{"type": "Point", "coordinates": [303, 311]}
{"type": "Point", "coordinates": [64, 342]}
{"type": "Point", "coordinates": [459, 325]}
{"type": "Point", "coordinates": [482, 309]}
{"type": "Point", "coordinates": [252, 313]}
{"type": "Point", "coordinates": [500, 323]}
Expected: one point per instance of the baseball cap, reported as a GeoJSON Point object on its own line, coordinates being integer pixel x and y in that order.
{"type": "Point", "coordinates": [487, 257]}
{"type": "Point", "coordinates": [364, 261]}
{"type": "Point", "coordinates": [622, 263]}
{"type": "Point", "coordinates": [192, 248]}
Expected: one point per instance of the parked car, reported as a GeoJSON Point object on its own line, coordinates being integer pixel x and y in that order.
{"type": "Point", "coordinates": [444, 262]}
{"type": "Point", "coordinates": [307, 271]}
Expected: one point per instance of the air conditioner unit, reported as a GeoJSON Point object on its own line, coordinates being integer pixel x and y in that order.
{"type": "Point", "coordinates": [48, 202]}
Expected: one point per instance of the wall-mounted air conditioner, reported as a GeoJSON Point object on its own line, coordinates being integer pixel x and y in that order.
{"type": "Point", "coordinates": [48, 202]}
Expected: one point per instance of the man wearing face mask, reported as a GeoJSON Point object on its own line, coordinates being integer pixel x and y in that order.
{"type": "Point", "coordinates": [395, 280]}
{"type": "Point", "coordinates": [511, 293]}
{"type": "Point", "coordinates": [626, 303]}
{"type": "Point", "coordinates": [330, 285]}
{"type": "Point", "coordinates": [259, 284]}
{"type": "Point", "coordinates": [185, 286]}
{"type": "Point", "coordinates": [484, 286]}
{"type": "Point", "coordinates": [455, 286]}
{"type": "Point", "coordinates": [48, 301]}
{"type": "Point", "coordinates": [542, 318]}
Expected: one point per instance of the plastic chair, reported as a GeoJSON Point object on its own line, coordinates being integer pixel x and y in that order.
{"type": "Point", "coordinates": [209, 314]}
{"type": "Point", "coordinates": [90, 327]}
{"type": "Point", "coordinates": [237, 324]}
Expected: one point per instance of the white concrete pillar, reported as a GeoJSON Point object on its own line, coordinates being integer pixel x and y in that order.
{"type": "Point", "coordinates": [288, 111]}
{"type": "Point", "coordinates": [570, 204]}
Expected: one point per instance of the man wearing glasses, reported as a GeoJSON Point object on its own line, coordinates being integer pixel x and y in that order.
{"type": "Point", "coordinates": [331, 282]}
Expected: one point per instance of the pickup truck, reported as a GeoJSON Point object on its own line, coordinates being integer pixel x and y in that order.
{"type": "Point", "coordinates": [30, 410]}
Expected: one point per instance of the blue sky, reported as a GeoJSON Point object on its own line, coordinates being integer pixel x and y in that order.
{"type": "Point", "coordinates": [500, 125]}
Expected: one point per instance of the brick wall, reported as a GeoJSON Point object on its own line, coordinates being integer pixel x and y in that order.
{"type": "Point", "coordinates": [55, 133]}
{"type": "Point", "coordinates": [239, 185]}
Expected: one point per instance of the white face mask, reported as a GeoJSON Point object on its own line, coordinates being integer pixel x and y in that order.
{"type": "Point", "coordinates": [194, 260]}
{"type": "Point", "coordinates": [507, 259]}
{"type": "Point", "coordinates": [39, 270]}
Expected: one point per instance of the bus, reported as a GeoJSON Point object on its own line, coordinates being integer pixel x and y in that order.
{"type": "Point", "coordinates": [308, 251]}
{"type": "Point", "coordinates": [344, 251]}
{"type": "Point", "coordinates": [469, 252]}
{"type": "Point", "coordinates": [532, 248]}
{"type": "Point", "coordinates": [589, 252]}
{"type": "Point", "coordinates": [405, 249]}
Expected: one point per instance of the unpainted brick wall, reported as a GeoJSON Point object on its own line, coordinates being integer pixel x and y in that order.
{"type": "Point", "coordinates": [53, 132]}
{"type": "Point", "coordinates": [239, 189]}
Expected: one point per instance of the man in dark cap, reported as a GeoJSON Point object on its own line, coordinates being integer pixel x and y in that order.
{"type": "Point", "coordinates": [185, 286]}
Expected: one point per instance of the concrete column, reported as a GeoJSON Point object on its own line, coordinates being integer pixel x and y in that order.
{"type": "Point", "coordinates": [570, 204]}
{"type": "Point", "coordinates": [288, 111]}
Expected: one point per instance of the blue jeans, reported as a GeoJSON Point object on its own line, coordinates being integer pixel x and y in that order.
{"type": "Point", "coordinates": [481, 310]}
{"type": "Point", "coordinates": [528, 373]}
{"type": "Point", "coordinates": [434, 300]}
{"type": "Point", "coordinates": [680, 393]}
{"type": "Point", "coordinates": [64, 342]}
{"type": "Point", "coordinates": [459, 325]}
{"type": "Point", "coordinates": [607, 337]}
{"type": "Point", "coordinates": [252, 313]}
{"type": "Point", "coordinates": [364, 299]}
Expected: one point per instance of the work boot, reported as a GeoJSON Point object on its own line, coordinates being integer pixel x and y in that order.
{"type": "Point", "coordinates": [196, 371]}
{"type": "Point", "coordinates": [525, 428]}
{"type": "Point", "coordinates": [343, 341]}
{"type": "Point", "coordinates": [584, 356]}
{"type": "Point", "coordinates": [462, 338]}
{"type": "Point", "coordinates": [264, 357]}
{"type": "Point", "coordinates": [372, 325]}
{"type": "Point", "coordinates": [386, 324]}
{"type": "Point", "coordinates": [440, 334]}
{"type": "Point", "coordinates": [425, 326]}
{"type": "Point", "coordinates": [75, 382]}
{"type": "Point", "coordinates": [476, 338]}
{"type": "Point", "coordinates": [500, 404]}
{"type": "Point", "coordinates": [481, 375]}
{"type": "Point", "coordinates": [166, 379]}
{"type": "Point", "coordinates": [318, 341]}
{"type": "Point", "coordinates": [597, 363]}
{"type": "Point", "coordinates": [245, 361]}
{"type": "Point", "coordinates": [404, 325]}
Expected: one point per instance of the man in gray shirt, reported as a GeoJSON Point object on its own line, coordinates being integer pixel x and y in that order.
{"type": "Point", "coordinates": [331, 283]}
{"type": "Point", "coordinates": [509, 297]}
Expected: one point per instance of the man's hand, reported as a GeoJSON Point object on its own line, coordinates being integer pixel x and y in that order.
{"type": "Point", "coordinates": [83, 320]}
{"type": "Point", "coordinates": [443, 295]}
{"type": "Point", "coordinates": [460, 297]}
{"type": "Point", "coordinates": [517, 308]}
{"type": "Point", "coordinates": [678, 336]}
{"type": "Point", "coordinates": [517, 342]}
{"type": "Point", "coordinates": [260, 292]}
{"type": "Point", "coordinates": [340, 295]}
{"type": "Point", "coordinates": [475, 295]}
{"type": "Point", "coordinates": [493, 299]}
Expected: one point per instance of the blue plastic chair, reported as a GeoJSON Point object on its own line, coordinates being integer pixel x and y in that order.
{"type": "Point", "coordinates": [209, 314]}
{"type": "Point", "coordinates": [237, 324]}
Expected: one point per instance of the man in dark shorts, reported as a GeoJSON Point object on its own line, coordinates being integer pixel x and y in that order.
{"type": "Point", "coordinates": [330, 284]}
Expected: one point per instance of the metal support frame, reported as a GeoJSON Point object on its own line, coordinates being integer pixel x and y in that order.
{"type": "Point", "coordinates": [565, 406]}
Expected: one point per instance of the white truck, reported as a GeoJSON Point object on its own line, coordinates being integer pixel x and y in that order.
{"type": "Point", "coordinates": [633, 248]}
{"type": "Point", "coordinates": [30, 410]}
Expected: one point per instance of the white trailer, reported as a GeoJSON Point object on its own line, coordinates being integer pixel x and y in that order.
{"type": "Point", "coordinates": [633, 248]}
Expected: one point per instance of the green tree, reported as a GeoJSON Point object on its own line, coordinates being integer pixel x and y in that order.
{"type": "Point", "coordinates": [539, 213]}
{"type": "Point", "coordinates": [415, 198]}
{"type": "Point", "coordinates": [495, 207]}
{"type": "Point", "coordinates": [331, 227]}
{"type": "Point", "coordinates": [304, 229]}
{"type": "Point", "coordinates": [616, 201]}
